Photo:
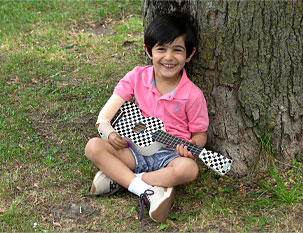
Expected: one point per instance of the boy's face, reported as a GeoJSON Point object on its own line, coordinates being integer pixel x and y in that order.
{"type": "Point", "coordinates": [169, 59]}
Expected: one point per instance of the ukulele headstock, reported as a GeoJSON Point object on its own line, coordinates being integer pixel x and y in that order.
{"type": "Point", "coordinates": [216, 161]}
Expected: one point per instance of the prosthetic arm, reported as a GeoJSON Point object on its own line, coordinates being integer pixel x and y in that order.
{"type": "Point", "coordinates": [107, 113]}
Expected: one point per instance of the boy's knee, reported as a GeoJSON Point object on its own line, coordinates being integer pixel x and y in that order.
{"type": "Point", "coordinates": [92, 147]}
{"type": "Point", "coordinates": [192, 172]}
{"type": "Point", "coordinates": [195, 172]}
{"type": "Point", "coordinates": [188, 171]}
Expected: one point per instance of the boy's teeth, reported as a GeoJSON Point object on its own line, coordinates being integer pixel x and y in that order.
{"type": "Point", "coordinates": [167, 65]}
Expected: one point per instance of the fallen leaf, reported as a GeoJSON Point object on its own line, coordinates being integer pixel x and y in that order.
{"type": "Point", "coordinates": [3, 210]}
{"type": "Point", "coordinates": [35, 81]}
{"type": "Point", "coordinates": [56, 224]}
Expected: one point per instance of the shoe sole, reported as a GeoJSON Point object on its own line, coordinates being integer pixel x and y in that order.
{"type": "Point", "coordinates": [93, 188]}
{"type": "Point", "coordinates": [161, 213]}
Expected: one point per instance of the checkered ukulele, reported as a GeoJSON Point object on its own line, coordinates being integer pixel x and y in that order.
{"type": "Point", "coordinates": [147, 136]}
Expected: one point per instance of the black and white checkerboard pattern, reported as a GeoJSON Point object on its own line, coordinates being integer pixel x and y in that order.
{"type": "Point", "coordinates": [132, 116]}
{"type": "Point", "coordinates": [216, 161]}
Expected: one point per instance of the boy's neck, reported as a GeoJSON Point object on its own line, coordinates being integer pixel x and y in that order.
{"type": "Point", "coordinates": [165, 86]}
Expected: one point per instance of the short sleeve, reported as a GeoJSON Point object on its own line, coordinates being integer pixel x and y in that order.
{"type": "Point", "coordinates": [197, 113]}
{"type": "Point", "coordinates": [125, 87]}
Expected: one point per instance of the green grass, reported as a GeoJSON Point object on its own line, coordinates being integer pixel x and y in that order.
{"type": "Point", "coordinates": [281, 188]}
{"type": "Point", "coordinates": [59, 62]}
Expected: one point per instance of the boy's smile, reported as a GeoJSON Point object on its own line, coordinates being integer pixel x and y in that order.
{"type": "Point", "coordinates": [169, 59]}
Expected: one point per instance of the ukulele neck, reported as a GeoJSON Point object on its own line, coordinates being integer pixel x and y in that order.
{"type": "Point", "coordinates": [174, 141]}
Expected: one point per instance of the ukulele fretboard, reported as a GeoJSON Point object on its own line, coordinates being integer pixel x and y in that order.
{"type": "Point", "coordinates": [174, 141]}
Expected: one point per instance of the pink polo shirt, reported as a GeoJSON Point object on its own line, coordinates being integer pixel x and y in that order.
{"type": "Point", "coordinates": [183, 111]}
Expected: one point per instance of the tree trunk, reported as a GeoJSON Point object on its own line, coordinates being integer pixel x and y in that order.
{"type": "Point", "coordinates": [250, 67]}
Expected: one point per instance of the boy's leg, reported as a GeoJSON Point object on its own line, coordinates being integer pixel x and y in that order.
{"type": "Point", "coordinates": [180, 170]}
{"type": "Point", "coordinates": [117, 165]}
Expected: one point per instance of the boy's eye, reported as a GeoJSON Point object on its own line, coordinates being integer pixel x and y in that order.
{"type": "Point", "coordinates": [160, 48]}
{"type": "Point", "coordinates": [179, 49]}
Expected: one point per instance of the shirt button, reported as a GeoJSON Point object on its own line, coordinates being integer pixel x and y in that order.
{"type": "Point", "coordinates": [159, 101]}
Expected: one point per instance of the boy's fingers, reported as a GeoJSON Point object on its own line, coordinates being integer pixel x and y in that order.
{"type": "Point", "coordinates": [190, 155]}
{"type": "Point", "coordinates": [185, 151]}
{"type": "Point", "coordinates": [121, 144]}
{"type": "Point", "coordinates": [180, 150]}
{"type": "Point", "coordinates": [117, 141]}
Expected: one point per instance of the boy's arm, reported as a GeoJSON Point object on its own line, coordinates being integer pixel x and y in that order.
{"type": "Point", "coordinates": [103, 123]}
{"type": "Point", "coordinates": [107, 113]}
{"type": "Point", "coordinates": [198, 139]}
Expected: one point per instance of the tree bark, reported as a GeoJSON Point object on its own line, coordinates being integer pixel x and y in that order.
{"type": "Point", "coordinates": [250, 67]}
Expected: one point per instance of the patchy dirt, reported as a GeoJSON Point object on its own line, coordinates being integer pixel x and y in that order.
{"type": "Point", "coordinates": [76, 210]}
{"type": "Point", "coordinates": [101, 29]}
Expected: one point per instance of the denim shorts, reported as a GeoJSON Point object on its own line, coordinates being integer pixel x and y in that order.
{"type": "Point", "coordinates": [153, 162]}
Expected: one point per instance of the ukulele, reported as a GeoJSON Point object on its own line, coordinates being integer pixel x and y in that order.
{"type": "Point", "coordinates": [147, 135]}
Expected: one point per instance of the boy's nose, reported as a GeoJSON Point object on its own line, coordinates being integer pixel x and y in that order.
{"type": "Point", "coordinates": [169, 55]}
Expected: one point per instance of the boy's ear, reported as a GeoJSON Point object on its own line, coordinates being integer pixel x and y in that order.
{"type": "Point", "coordinates": [191, 55]}
{"type": "Point", "coordinates": [146, 50]}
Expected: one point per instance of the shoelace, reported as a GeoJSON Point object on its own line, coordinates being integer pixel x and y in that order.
{"type": "Point", "coordinates": [144, 200]}
{"type": "Point", "coordinates": [113, 186]}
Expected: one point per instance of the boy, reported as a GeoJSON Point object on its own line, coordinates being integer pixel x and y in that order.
{"type": "Point", "coordinates": [162, 90]}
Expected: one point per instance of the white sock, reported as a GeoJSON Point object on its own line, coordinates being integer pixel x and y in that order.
{"type": "Point", "coordinates": [138, 186]}
{"type": "Point", "coordinates": [139, 175]}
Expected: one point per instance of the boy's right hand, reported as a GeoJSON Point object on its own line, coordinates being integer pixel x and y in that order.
{"type": "Point", "coordinates": [183, 152]}
{"type": "Point", "coordinates": [116, 141]}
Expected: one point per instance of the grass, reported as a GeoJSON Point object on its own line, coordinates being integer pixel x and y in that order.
{"type": "Point", "coordinates": [59, 62]}
{"type": "Point", "coordinates": [280, 188]}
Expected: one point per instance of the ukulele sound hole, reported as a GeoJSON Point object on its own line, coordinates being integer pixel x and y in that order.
{"type": "Point", "coordinates": [139, 128]}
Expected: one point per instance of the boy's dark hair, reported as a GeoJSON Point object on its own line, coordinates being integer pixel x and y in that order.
{"type": "Point", "coordinates": [165, 29]}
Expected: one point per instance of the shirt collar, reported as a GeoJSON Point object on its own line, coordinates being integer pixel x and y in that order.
{"type": "Point", "coordinates": [184, 87]}
{"type": "Point", "coordinates": [180, 92]}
